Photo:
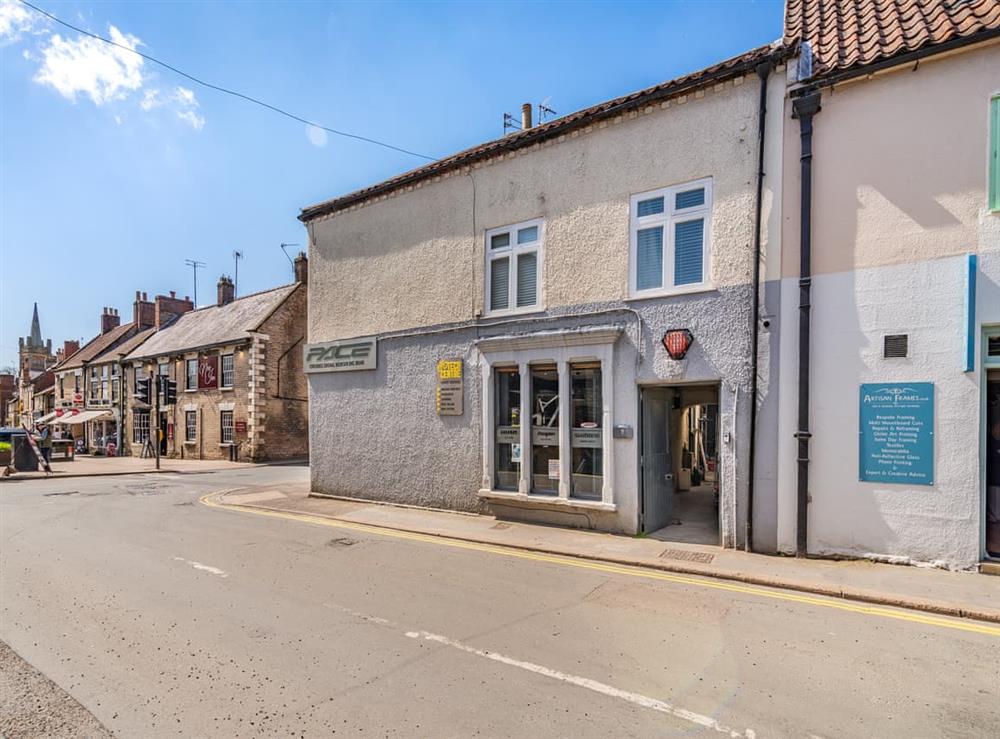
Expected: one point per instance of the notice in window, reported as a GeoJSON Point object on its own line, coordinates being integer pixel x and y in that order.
{"type": "Point", "coordinates": [897, 433]}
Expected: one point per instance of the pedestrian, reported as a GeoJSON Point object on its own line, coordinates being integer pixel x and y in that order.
{"type": "Point", "coordinates": [45, 444]}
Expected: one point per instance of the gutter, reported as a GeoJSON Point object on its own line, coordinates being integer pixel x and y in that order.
{"type": "Point", "coordinates": [898, 60]}
{"type": "Point", "coordinates": [764, 70]}
{"type": "Point", "coordinates": [804, 108]}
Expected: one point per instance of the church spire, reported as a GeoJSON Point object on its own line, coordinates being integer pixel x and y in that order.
{"type": "Point", "coordinates": [36, 329]}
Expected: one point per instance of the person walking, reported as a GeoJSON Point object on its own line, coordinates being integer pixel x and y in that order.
{"type": "Point", "coordinates": [45, 443]}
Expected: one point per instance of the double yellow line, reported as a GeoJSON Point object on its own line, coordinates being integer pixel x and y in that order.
{"type": "Point", "coordinates": [916, 617]}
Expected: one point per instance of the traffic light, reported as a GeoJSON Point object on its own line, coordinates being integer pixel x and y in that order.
{"type": "Point", "coordinates": [142, 390]}
{"type": "Point", "coordinates": [169, 391]}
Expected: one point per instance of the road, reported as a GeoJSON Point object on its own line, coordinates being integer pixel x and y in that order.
{"type": "Point", "coordinates": [164, 617]}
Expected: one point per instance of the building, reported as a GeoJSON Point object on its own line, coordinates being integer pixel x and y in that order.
{"type": "Point", "coordinates": [34, 354]}
{"type": "Point", "coordinates": [488, 332]}
{"type": "Point", "coordinates": [896, 128]}
{"type": "Point", "coordinates": [8, 386]}
{"type": "Point", "coordinates": [35, 358]}
{"type": "Point", "coordinates": [238, 367]}
{"type": "Point", "coordinates": [88, 383]}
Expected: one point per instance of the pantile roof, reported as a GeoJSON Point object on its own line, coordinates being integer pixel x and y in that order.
{"type": "Point", "coordinates": [735, 67]}
{"type": "Point", "coordinates": [845, 34]}
{"type": "Point", "coordinates": [97, 346]}
{"type": "Point", "coordinates": [214, 324]}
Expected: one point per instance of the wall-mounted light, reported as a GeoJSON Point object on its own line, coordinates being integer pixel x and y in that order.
{"type": "Point", "coordinates": [677, 341]}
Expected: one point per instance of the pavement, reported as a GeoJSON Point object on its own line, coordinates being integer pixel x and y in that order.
{"type": "Point", "coordinates": [91, 466]}
{"type": "Point", "coordinates": [164, 617]}
{"type": "Point", "coordinates": [959, 594]}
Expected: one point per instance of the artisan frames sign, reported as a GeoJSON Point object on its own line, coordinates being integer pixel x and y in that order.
{"type": "Point", "coordinates": [342, 356]}
{"type": "Point", "coordinates": [897, 433]}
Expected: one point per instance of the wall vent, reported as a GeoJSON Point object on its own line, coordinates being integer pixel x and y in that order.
{"type": "Point", "coordinates": [993, 346]}
{"type": "Point", "coordinates": [896, 346]}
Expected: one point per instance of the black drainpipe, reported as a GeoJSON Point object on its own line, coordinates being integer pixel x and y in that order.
{"type": "Point", "coordinates": [804, 108]}
{"type": "Point", "coordinates": [763, 72]}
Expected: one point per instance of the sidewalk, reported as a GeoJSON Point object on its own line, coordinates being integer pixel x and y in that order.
{"type": "Point", "coordinates": [87, 466]}
{"type": "Point", "coordinates": [960, 594]}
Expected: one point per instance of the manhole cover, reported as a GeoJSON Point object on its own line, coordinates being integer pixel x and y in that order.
{"type": "Point", "coordinates": [682, 554]}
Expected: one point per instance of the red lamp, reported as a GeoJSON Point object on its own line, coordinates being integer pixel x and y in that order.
{"type": "Point", "coordinates": [677, 341]}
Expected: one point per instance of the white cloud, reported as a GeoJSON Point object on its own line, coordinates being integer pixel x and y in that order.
{"type": "Point", "coordinates": [16, 20]}
{"type": "Point", "coordinates": [94, 68]}
{"type": "Point", "coordinates": [150, 100]}
{"type": "Point", "coordinates": [317, 136]}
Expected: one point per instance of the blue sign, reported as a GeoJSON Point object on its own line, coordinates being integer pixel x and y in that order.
{"type": "Point", "coordinates": [897, 433]}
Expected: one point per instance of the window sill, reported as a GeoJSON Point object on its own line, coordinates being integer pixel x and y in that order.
{"type": "Point", "coordinates": [190, 389]}
{"type": "Point", "coordinates": [190, 443]}
{"type": "Point", "coordinates": [547, 500]}
{"type": "Point", "coordinates": [514, 312]}
{"type": "Point", "coordinates": [687, 290]}
{"type": "Point", "coordinates": [226, 389]}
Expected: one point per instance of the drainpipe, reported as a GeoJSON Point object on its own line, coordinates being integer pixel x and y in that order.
{"type": "Point", "coordinates": [763, 72]}
{"type": "Point", "coordinates": [804, 108]}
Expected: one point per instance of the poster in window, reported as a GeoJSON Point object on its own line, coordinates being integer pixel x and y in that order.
{"type": "Point", "coordinates": [208, 372]}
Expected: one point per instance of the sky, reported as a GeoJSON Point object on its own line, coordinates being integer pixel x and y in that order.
{"type": "Point", "coordinates": [114, 171]}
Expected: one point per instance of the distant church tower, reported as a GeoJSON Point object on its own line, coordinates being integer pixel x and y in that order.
{"type": "Point", "coordinates": [34, 355]}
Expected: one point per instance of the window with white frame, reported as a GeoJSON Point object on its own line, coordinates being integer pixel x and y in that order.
{"type": "Point", "coordinates": [190, 425]}
{"type": "Point", "coordinates": [514, 267]}
{"type": "Point", "coordinates": [140, 426]}
{"type": "Point", "coordinates": [226, 427]}
{"type": "Point", "coordinates": [192, 374]}
{"type": "Point", "coordinates": [228, 371]}
{"type": "Point", "coordinates": [670, 238]}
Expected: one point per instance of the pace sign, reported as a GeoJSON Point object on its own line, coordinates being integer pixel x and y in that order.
{"type": "Point", "coordinates": [897, 433]}
{"type": "Point", "coordinates": [342, 356]}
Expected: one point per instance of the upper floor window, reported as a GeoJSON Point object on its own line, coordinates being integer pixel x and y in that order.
{"type": "Point", "coordinates": [513, 267]}
{"type": "Point", "coordinates": [994, 185]}
{"type": "Point", "coordinates": [228, 373]}
{"type": "Point", "coordinates": [192, 374]}
{"type": "Point", "coordinates": [669, 239]}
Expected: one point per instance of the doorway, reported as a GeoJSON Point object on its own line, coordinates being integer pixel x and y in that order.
{"type": "Point", "coordinates": [993, 463]}
{"type": "Point", "coordinates": [679, 463]}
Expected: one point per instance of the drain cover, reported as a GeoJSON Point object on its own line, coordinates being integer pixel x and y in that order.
{"type": "Point", "coordinates": [702, 557]}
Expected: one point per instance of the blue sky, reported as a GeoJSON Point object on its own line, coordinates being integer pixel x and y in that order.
{"type": "Point", "coordinates": [113, 171]}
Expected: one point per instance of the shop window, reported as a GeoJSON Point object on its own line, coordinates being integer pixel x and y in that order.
{"type": "Point", "coordinates": [513, 260]}
{"type": "Point", "coordinates": [669, 239]}
{"type": "Point", "coordinates": [228, 371]}
{"type": "Point", "coordinates": [544, 429]}
{"type": "Point", "coordinates": [192, 374]}
{"type": "Point", "coordinates": [190, 425]}
{"type": "Point", "coordinates": [115, 389]}
{"type": "Point", "coordinates": [507, 420]}
{"type": "Point", "coordinates": [226, 427]}
{"type": "Point", "coordinates": [140, 426]}
{"type": "Point", "coordinates": [586, 435]}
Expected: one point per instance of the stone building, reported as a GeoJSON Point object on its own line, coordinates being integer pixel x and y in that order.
{"type": "Point", "coordinates": [241, 393]}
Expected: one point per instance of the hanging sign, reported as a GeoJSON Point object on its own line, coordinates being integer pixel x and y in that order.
{"type": "Point", "coordinates": [450, 389]}
{"type": "Point", "coordinates": [897, 433]}
{"type": "Point", "coordinates": [208, 372]}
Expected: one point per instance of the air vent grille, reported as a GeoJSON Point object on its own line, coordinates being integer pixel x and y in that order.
{"type": "Point", "coordinates": [896, 346]}
{"type": "Point", "coordinates": [993, 346]}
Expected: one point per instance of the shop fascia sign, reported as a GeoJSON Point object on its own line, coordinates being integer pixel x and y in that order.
{"type": "Point", "coordinates": [347, 355]}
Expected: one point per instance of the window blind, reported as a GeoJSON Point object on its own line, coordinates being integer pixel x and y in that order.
{"type": "Point", "coordinates": [688, 252]}
{"type": "Point", "coordinates": [649, 258]}
{"type": "Point", "coordinates": [527, 283]}
{"type": "Point", "coordinates": [500, 284]}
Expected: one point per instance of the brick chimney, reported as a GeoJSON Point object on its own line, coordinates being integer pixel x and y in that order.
{"type": "Point", "coordinates": [302, 268]}
{"type": "Point", "coordinates": [143, 312]}
{"type": "Point", "coordinates": [69, 348]}
{"type": "Point", "coordinates": [109, 320]}
{"type": "Point", "coordinates": [170, 307]}
{"type": "Point", "coordinates": [227, 291]}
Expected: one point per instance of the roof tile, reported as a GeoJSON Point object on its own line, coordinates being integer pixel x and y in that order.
{"type": "Point", "coordinates": [850, 33]}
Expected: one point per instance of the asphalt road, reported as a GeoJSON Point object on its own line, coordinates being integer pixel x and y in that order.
{"type": "Point", "coordinates": [163, 617]}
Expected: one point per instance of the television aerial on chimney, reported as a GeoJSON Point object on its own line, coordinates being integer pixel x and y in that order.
{"type": "Point", "coordinates": [287, 255]}
{"type": "Point", "coordinates": [194, 264]}
{"type": "Point", "coordinates": [237, 256]}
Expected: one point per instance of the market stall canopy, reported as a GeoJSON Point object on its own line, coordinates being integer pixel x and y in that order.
{"type": "Point", "coordinates": [82, 417]}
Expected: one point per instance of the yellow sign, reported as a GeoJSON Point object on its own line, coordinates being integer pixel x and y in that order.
{"type": "Point", "coordinates": [449, 369]}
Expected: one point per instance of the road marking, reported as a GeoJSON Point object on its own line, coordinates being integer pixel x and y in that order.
{"type": "Point", "coordinates": [203, 568]}
{"type": "Point", "coordinates": [642, 701]}
{"type": "Point", "coordinates": [926, 619]}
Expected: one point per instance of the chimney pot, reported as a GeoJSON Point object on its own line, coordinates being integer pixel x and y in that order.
{"type": "Point", "coordinates": [226, 291]}
{"type": "Point", "coordinates": [301, 268]}
{"type": "Point", "coordinates": [173, 293]}
{"type": "Point", "coordinates": [526, 116]}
